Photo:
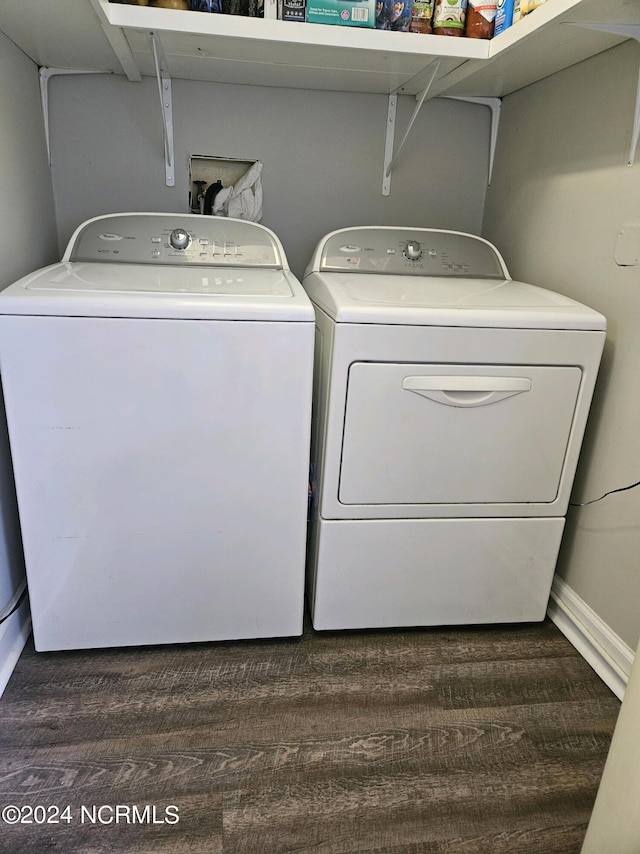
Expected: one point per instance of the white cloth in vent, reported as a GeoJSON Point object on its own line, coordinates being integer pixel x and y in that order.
{"type": "Point", "coordinates": [244, 199]}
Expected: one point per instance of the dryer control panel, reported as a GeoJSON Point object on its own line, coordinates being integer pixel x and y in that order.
{"type": "Point", "coordinates": [175, 239]}
{"type": "Point", "coordinates": [412, 252]}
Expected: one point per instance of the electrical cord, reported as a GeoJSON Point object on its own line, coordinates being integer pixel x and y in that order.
{"type": "Point", "coordinates": [611, 492]}
{"type": "Point", "coordinates": [15, 607]}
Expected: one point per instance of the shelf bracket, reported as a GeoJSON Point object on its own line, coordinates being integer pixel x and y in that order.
{"type": "Point", "coordinates": [45, 74]}
{"type": "Point", "coordinates": [166, 105]}
{"type": "Point", "coordinates": [495, 105]}
{"type": "Point", "coordinates": [388, 143]}
{"type": "Point", "coordinates": [630, 31]}
{"type": "Point", "coordinates": [389, 157]}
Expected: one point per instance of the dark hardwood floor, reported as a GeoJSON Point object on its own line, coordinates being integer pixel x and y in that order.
{"type": "Point", "coordinates": [398, 742]}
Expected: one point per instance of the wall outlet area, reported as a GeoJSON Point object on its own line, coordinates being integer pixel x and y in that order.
{"type": "Point", "coordinates": [209, 175]}
{"type": "Point", "coordinates": [627, 252]}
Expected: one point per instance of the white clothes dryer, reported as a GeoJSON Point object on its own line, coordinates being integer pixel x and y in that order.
{"type": "Point", "coordinates": [449, 408]}
{"type": "Point", "coordinates": [158, 394]}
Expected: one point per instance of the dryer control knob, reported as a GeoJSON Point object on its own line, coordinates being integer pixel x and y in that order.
{"type": "Point", "coordinates": [179, 238]}
{"type": "Point", "coordinates": [412, 250]}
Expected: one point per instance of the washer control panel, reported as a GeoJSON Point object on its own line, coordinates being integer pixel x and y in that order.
{"type": "Point", "coordinates": [175, 239]}
{"type": "Point", "coordinates": [412, 252]}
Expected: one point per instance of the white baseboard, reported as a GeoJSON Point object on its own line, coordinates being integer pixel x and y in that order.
{"type": "Point", "coordinates": [13, 636]}
{"type": "Point", "coordinates": [607, 654]}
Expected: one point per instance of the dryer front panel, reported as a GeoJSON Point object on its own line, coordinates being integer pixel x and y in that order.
{"type": "Point", "coordinates": [456, 434]}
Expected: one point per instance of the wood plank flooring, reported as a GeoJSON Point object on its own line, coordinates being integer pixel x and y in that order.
{"type": "Point", "coordinates": [433, 741]}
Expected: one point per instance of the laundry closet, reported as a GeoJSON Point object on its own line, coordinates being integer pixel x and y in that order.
{"type": "Point", "coordinates": [528, 141]}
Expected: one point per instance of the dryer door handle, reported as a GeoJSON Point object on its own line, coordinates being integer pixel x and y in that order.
{"type": "Point", "coordinates": [466, 390]}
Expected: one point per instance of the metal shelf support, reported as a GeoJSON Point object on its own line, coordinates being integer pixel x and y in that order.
{"type": "Point", "coordinates": [45, 74]}
{"type": "Point", "coordinates": [495, 105]}
{"type": "Point", "coordinates": [631, 31]}
{"type": "Point", "coordinates": [166, 105]}
{"type": "Point", "coordinates": [389, 157]}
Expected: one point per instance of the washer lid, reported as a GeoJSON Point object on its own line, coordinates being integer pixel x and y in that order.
{"type": "Point", "coordinates": [78, 289]}
{"type": "Point", "coordinates": [434, 301]}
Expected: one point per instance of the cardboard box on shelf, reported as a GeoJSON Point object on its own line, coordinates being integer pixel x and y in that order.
{"type": "Point", "coordinates": [349, 13]}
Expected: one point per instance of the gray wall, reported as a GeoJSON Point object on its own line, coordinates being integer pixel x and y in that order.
{"type": "Point", "coordinates": [561, 192]}
{"type": "Point", "coordinates": [27, 218]}
{"type": "Point", "coordinates": [27, 241]}
{"type": "Point", "coordinates": [322, 155]}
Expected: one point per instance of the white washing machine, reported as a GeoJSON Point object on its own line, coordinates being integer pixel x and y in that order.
{"type": "Point", "coordinates": [449, 408]}
{"type": "Point", "coordinates": [158, 394]}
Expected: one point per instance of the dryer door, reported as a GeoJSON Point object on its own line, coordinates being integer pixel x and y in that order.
{"type": "Point", "coordinates": [456, 434]}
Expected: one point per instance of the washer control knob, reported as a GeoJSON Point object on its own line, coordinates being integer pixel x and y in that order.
{"type": "Point", "coordinates": [179, 238]}
{"type": "Point", "coordinates": [412, 250]}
